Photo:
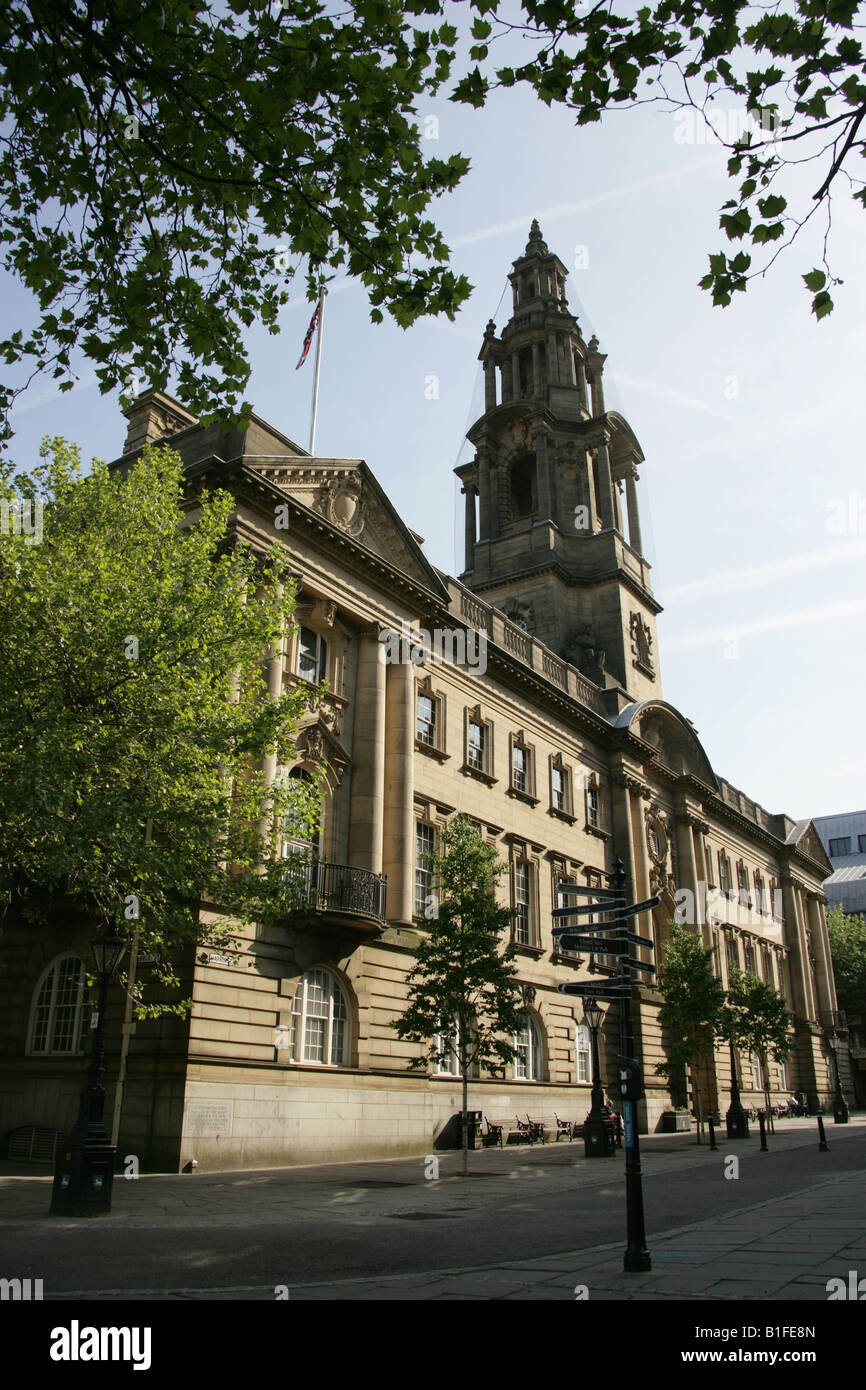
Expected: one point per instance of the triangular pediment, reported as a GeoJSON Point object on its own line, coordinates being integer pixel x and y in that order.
{"type": "Point", "coordinates": [345, 493]}
{"type": "Point", "coordinates": [809, 842]}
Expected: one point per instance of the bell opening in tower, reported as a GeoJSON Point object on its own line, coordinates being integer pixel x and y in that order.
{"type": "Point", "coordinates": [524, 487]}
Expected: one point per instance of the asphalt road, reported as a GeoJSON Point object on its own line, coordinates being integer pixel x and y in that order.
{"type": "Point", "coordinates": [297, 1226]}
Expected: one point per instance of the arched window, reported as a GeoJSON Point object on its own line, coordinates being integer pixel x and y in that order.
{"type": "Point", "coordinates": [320, 1021]}
{"type": "Point", "coordinates": [528, 1052]}
{"type": "Point", "coordinates": [523, 487]}
{"type": "Point", "coordinates": [59, 1019]}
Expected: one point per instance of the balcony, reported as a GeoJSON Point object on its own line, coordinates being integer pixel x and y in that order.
{"type": "Point", "coordinates": [346, 896]}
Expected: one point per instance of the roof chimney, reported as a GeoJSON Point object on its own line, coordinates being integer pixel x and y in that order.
{"type": "Point", "coordinates": [154, 415]}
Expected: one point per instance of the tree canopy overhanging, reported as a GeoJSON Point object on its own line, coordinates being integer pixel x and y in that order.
{"type": "Point", "coordinates": [166, 166]}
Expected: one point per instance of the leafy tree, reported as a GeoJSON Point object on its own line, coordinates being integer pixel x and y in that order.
{"type": "Point", "coordinates": [164, 164]}
{"type": "Point", "coordinates": [132, 709]}
{"type": "Point", "coordinates": [848, 949]}
{"type": "Point", "coordinates": [693, 1000]}
{"type": "Point", "coordinates": [755, 1019]}
{"type": "Point", "coordinates": [463, 992]}
{"type": "Point", "coordinates": [796, 68]}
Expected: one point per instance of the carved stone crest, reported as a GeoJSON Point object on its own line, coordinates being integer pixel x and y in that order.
{"type": "Point", "coordinates": [344, 506]}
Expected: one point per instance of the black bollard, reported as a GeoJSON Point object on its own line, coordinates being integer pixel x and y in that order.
{"type": "Point", "coordinates": [823, 1145]}
{"type": "Point", "coordinates": [763, 1128]}
{"type": "Point", "coordinates": [713, 1144]}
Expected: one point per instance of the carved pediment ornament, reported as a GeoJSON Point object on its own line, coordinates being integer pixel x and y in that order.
{"type": "Point", "coordinates": [344, 506]}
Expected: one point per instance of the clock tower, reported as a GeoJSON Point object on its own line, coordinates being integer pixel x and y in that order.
{"type": "Point", "coordinates": [554, 536]}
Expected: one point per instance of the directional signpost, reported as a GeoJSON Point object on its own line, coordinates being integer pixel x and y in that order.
{"type": "Point", "coordinates": [612, 938]}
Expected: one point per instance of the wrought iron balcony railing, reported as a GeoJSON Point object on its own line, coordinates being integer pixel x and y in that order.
{"type": "Point", "coordinates": [338, 888]}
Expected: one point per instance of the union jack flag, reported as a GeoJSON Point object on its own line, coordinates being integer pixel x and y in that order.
{"type": "Point", "coordinates": [309, 338]}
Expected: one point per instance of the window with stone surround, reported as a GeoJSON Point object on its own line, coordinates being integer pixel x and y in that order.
{"type": "Point", "coordinates": [58, 1022]}
{"type": "Point", "coordinates": [561, 788]}
{"type": "Point", "coordinates": [311, 656]}
{"type": "Point", "coordinates": [425, 847]}
{"type": "Point", "coordinates": [320, 1021]}
{"type": "Point", "coordinates": [725, 883]}
{"type": "Point", "coordinates": [524, 897]}
{"type": "Point", "coordinates": [593, 802]}
{"type": "Point", "coordinates": [522, 767]}
{"type": "Point", "coordinates": [447, 1043]}
{"type": "Point", "coordinates": [732, 954]}
{"type": "Point", "coordinates": [743, 893]}
{"type": "Point", "coordinates": [478, 745]}
{"type": "Point", "coordinates": [583, 1049]}
{"type": "Point", "coordinates": [429, 718]}
{"type": "Point", "coordinates": [528, 1062]}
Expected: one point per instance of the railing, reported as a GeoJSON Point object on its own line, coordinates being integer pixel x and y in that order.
{"type": "Point", "coordinates": [476, 614]}
{"type": "Point", "coordinates": [517, 641]}
{"type": "Point", "coordinates": [328, 887]}
{"type": "Point", "coordinates": [500, 629]}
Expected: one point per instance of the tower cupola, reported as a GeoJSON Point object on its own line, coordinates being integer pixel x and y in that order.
{"type": "Point", "coordinates": [556, 534]}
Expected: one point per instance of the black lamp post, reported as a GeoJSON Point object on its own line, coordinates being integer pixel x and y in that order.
{"type": "Point", "coordinates": [84, 1168]}
{"type": "Point", "coordinates": [598, 1127]}
{"type": "Point", "coordinates": [840, 1108]}
{"type": "Point", "coordinates": [738, 1125]}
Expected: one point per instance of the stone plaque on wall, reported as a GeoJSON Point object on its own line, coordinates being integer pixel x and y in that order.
{"type": "Point", "coordinates": [208, 1117]}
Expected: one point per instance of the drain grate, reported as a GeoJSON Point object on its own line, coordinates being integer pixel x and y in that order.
{"type": "Point", "coordinates": [425, 1215]}
{"type": "Point", "coordinates": [373, 1182]}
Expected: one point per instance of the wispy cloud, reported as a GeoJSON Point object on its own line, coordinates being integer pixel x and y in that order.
{"type": "Point", "coordinates": [610, 195]}
{"type": "Point", "coordinates": [659, 390]}
{"type": "Point", "coordinates": [803, 617]}
{"type": "Point", "coordinates": [759, 576]}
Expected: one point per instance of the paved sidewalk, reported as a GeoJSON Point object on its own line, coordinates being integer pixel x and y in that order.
{"type": "Point", "coordinates": [784, 1248]}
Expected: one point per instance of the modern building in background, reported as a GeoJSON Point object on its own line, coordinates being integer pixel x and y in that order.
{"type": "Point", "coordinates": [525, 694]}
{"type": "Point", "coordinates": [844, 839]}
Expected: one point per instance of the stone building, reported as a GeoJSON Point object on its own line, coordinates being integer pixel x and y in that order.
{"type": "Point", "coordinates": [533, 705]}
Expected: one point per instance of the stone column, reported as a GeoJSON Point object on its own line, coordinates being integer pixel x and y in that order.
{"type": "Point", "coordinates": [826, 1001]}
{"type": "Point", "coordinates": [798, 974]}
{"type": "Point", "coordinates": [368, 757]}
{"type": "Point", "coordinates": [489, 384]}
{"type": "Point", "coordinates": [605, 488]}
{"type": "Point", "coordinates": [634, 536]}
{"type": "Point", "coordinates": [469, 491]}
{"type": "Point", "coordinates": [536, 370]}
{"type": "Point", "coordinates": [485, 529]}
{"type": "Point", "coordinates": [552, 359]}
{"type": "Point", "coordinates": [542, 474]}
{"type": "Point", "coordinates": [507, 379]}
{"type": "Point", "coordinates": [399, 818]}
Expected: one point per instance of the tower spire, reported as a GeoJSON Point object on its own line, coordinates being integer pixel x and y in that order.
{"type": "Point", "coordinates": [557, 539]}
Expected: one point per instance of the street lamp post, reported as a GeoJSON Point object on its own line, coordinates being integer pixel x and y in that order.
{"type": "Point", "coordinates": [840, 1108]}
{"type": "Point", "coordinates": [598, 1128]}
{"type": "Point", "coordinates": [738, 1125]}
{"type": "Point", "coordinates": [84, 1169]}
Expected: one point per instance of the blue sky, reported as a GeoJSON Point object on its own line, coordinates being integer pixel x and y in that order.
{"type": "Point", "coordinates": [753, 495]}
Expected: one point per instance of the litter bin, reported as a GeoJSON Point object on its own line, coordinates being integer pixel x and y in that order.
{"type": "Point", "coordinates": [473, 1129]}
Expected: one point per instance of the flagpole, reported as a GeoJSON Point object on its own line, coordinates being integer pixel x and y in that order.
{"type": "Point", "coordinates": [315, 406]}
